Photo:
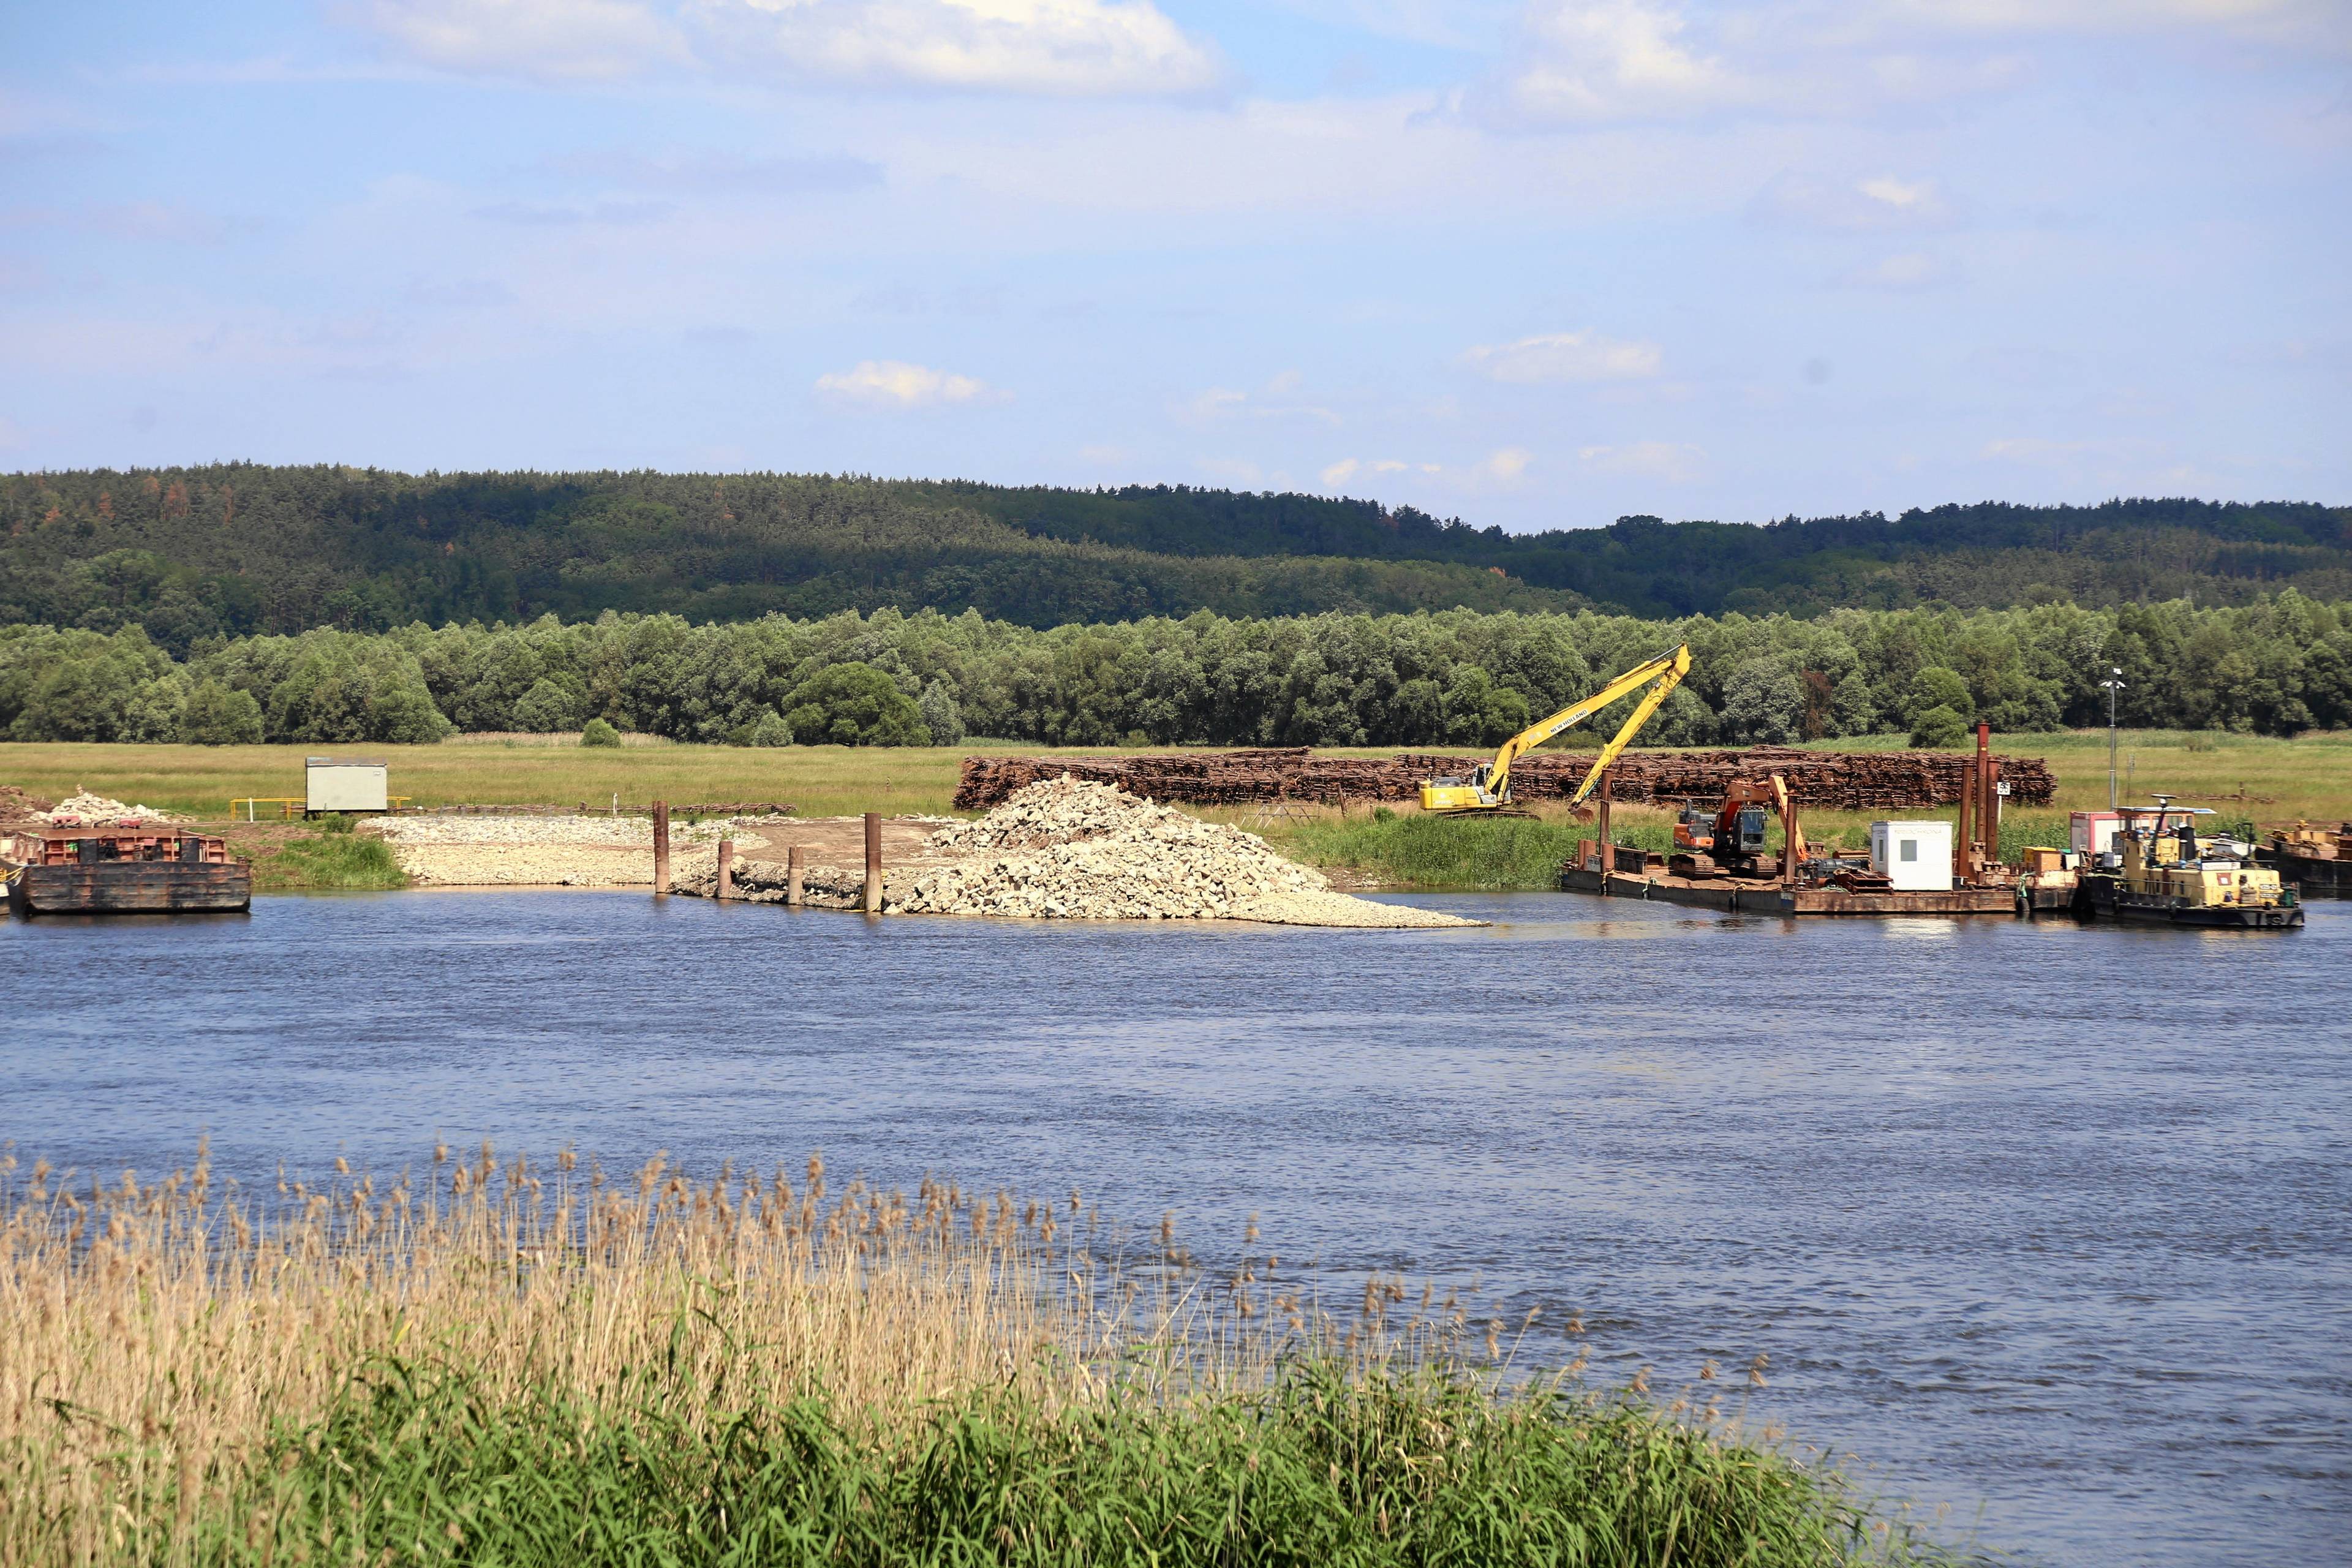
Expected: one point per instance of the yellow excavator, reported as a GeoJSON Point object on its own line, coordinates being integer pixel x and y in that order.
{"type": "Point", "coordinates": [1488, 787]}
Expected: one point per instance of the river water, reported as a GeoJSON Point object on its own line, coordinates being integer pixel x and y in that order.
{"type": "Point", "coordinates": [2046, 1223]}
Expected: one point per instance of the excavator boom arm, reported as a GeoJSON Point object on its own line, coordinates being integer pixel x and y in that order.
{"type": "Point", "coordinates": [1663, 673]}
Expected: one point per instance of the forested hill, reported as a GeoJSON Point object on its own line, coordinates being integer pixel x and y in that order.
{"type": "Point", "coordinates": [237, 548]}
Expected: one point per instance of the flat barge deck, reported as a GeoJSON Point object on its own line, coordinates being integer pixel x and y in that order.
{"type": "Point", "coordinates": [126, 867]}
{"type": "Point", "coordinates": [1769, 898]}
{"type": "Point", "coordinates": [2312, 876]}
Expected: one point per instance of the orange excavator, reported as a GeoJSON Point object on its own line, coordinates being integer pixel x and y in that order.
{"type": "Point", "coordinates": [1729, 840]}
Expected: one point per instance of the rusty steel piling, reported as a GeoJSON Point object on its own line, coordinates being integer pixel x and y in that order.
{"type": "Point", "coordinates": [726, 889]}
{"type": "Point", "coordinates": [794, 895]}
{"type": "Point", "coordinates": [1608, 840]}
{"type": "Point", "coordinates": [873, 863]}
{"type": "Point", "coordinates": [661, 846]}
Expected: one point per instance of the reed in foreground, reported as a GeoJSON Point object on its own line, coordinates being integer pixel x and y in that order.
{"type": "Point", "coordinates": [499, 1364]}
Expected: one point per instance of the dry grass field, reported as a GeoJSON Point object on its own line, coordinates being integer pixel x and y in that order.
{"type": "Point", "coordinates": [2266, 779]}
{"type": "Point", "coordinates": [820, 781]}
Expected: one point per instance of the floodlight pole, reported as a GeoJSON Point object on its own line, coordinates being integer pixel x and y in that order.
{"type": "Point", "coordinates": [2113, 683]}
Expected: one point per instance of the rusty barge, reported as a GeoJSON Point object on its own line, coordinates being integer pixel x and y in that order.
{"type": "Point", "coordinates": [1916, 868]}
{"type": "Point", "coordinates": [130, 866]}
{"type": "Point", "coordinates": [1772, 898]}
{"type": "Point", "coordinates": [2316, 861]}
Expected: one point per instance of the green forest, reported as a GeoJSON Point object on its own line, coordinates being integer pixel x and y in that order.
{"type": "Point", "coordinates": [1458, 677]}
{"type": "Point", "coordinates": [195, 555]}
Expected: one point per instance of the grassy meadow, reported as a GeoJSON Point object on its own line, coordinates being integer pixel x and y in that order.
{"type": "Point", "coordinates": [491, 1360]}
{"type": "Point", "coordinates": [819, 781]}
{"type": "Point", "coordinates": [2267, 780]}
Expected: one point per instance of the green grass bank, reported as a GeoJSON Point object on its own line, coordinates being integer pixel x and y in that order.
{"type": "Point", "coordinates": [333, 859]}
{"type": "Point", "coordinates": [1321, 1468]}
{"type": "Point", "coordinates": [1410, 850]}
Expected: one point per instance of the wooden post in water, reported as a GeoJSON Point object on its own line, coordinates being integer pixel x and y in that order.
{"type": "Point", "coordinates": [661, 846]}
{"type": "Point", "coordinates": [794, 897]}
{"type": "Point", "coordinates": [872, 862]}
{"type": "Point", "coordinates": [725, 869]}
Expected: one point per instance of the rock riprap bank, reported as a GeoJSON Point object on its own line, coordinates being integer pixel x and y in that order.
{"type": "Point", "coordinates": [1063, 849]}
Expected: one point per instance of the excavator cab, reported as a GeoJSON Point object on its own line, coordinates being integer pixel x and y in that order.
{"type": "Point", "coordinates": [1744, 839]}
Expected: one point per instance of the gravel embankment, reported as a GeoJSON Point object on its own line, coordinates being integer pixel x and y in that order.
{"type": "Point", "coordinates": [1063, 849]}
{"type": "Point", "coordinates": [546, 851]}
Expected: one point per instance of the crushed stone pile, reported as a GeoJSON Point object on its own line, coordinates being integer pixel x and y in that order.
{"type": "Point", "coordinates": [83, 809]}
{"type": "Point", "coordinates": [1062, 848]}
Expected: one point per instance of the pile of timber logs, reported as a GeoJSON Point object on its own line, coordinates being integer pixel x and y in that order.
{"type": "Point", "coordinates": [1826, 781]}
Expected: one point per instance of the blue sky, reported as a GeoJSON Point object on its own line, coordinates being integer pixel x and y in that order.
{"type": "Point", "coordinates": [1536, 264]}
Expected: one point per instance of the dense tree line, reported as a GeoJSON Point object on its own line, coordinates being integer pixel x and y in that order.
{"type": "Point", "coordinates": [236, 549]}
{"type": "Point", "coordinates": [2275, 667]}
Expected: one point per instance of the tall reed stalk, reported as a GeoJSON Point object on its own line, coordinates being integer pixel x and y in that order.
{"type": "Point", "coordinates": [498, 1362]}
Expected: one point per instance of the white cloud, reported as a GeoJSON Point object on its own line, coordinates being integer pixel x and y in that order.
{"type": "Point", "coordinates": [1911, 270]}
{"type": "Point", "coordinates": [1615, 60]}
{"type": "Point", "coordinates": [1588, 62]}
{"type": "Point", "coordinates": [1222, 402]}
{"type": "Point", "coordinates": [1506, 466]}
{"type": "Point", "coordinates": [2041, 449]}
{"type": "Point", "coordinates": [894, 384]}
{"type": "Point", "coordinates": [1876, 202]}
{"type": "Point", "coordinates": [2281, 20]}
{"type": "Point", "coordinates": [1903, 195]}
{"type": "Point", "coordinates": [1217, 403]}
{"type": "Point", "coordinates": [1675, 462]}
{"type": "Point", "coordinates": [1057, 47]}
{"type": "Point", "coordinates": [559, 39]}
{"type": "Point", "coordinates": [1564, 356]}
{"type": "Point", "coordinates": [1501, 468]}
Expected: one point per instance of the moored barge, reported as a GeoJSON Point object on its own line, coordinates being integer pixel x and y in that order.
{"type": "Point", "coordinates": [2316, 862]}
{"type": "Point", "coordinates": [123, 868]}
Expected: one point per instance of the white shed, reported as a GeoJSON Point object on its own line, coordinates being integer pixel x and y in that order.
{"type": "Point", "coordinates": [1916, 857]}
{"type": "Point", "coordinates": [344, 784]}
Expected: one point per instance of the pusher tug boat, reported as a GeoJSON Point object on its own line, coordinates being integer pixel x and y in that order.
{"type": "Point", "coordinates": [2163, 871]}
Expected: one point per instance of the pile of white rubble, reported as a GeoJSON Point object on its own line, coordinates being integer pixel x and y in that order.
{"type": "Point", "coordinates": [1060, 849]}
{"type": "Point", "coordinates": [83, 809]}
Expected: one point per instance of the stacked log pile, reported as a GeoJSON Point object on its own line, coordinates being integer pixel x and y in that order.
{"type": "Point", "coordinates": [1826, 781]}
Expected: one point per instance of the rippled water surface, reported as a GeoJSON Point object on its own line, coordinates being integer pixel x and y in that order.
{"type": "Point", "coordinates": [2044, 1223]}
